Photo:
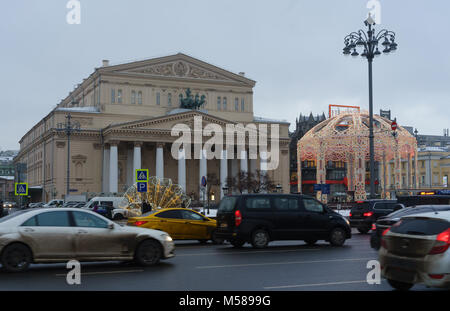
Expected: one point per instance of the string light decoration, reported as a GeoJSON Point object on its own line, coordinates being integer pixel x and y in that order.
{"type": "Point", "coordinates": [161, 193]}
{"type": "Point", "coordinates": [345, 138]}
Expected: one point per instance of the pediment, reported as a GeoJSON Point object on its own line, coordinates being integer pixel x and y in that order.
{"type": "Point", "coordinates": [169, 121]}
{"type": "Point", "coordinates": [179, 66]}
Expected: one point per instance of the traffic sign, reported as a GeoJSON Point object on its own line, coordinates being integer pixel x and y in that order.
{"type": "Point", "coordinates": [142, 186]}
{"type": "Point", "coordinates": [394, 125]}
{"type": "Point", "coordinates": [317, 187]}
{"type": "Point", "coordinates": [203, 181]}
{"type": "Point", "coordinates": [21, 188]}
{"type": "Point", "coordinates": [325, 189]}
{"type": "Point", "coordinates": [142, 175]}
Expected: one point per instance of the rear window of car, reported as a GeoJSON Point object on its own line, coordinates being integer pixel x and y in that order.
{"type": "Point", "coordinates": [170, 214]}
{"type": "Point", "coordinates": [420, 226]}
{"type": "Point", "coordinates": [227, 204]}
{"type": "Point", "coordinates": [13, 215]}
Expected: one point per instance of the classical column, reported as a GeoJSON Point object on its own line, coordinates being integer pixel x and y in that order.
{"type": "Point", "coordinates": [160, 160]}
{"type": "Point", "coordinates": [106, 155]}
{"type": "Point", "coordinates": [416, 170]}
{"type": "Point", "coordinates": [113, 168]}
{"type": "Point", "coordinates": [182, 169]}
{"type": "Point", "coordinates": [409, 172]}
{"type": "Point", "coordinates": [202, 172]}
{"type": "Point", "coordinates": [137, 157]}
{"type": "Point", "coordinates": [130, 174]}
{"type": "Point", "coordinates": [223, 171]}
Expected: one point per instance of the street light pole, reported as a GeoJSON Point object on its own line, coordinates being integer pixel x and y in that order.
{"type": "Point", "coordinates": [370, 42]}
{"type": "Point", "coordinates": [68, 127]}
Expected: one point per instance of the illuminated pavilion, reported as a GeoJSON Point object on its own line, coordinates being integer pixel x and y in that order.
{"type": "Point", "coordinates": [345, 138]}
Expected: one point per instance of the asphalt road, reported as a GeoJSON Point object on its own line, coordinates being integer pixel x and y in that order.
{"type": "Point", "coordinates": [286, 266]}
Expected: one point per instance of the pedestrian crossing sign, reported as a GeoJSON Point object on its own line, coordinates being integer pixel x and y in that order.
{"type": "Point", "coordinates": [21, 188]}
{"type": "Point", "coordinates": [142, 175]}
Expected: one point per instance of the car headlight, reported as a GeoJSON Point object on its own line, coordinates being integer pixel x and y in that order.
{"type": "Point", "coordinates": [166, 237]}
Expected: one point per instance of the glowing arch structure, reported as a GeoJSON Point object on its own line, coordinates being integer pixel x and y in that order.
{"type": "Point", "coordinates": [345, 138]}
{"type": "Point", "coordinates": [161, 193]}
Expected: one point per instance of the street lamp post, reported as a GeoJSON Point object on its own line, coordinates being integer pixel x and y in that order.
{"type": "Point", "coordinates": [68, 127]}
{"type": "Point", "coordinates": [370, 42]}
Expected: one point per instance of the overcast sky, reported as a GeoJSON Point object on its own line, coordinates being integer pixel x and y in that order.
{"type": "Point", "coordinates": [292, 48]}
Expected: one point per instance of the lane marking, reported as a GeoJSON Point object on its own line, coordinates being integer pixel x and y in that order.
{"type": "Point", "coordinates": [248, 252]}
{"type": "Point", "coordinates": [314, 284]}
{"type": "Point", "coordinates": [105, 272]}
{"type": "Point", "coordinates": [283, 263]}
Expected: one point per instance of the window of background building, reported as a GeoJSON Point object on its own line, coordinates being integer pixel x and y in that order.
{"type": "Point", "coordinates": [133, 97]}
{"type": "Point", "coordinates": [169, 99]}
{"type": "Point", "coordinates": [218, 103]}
{"type": "Point", "coordinates": [119, 96]}
{"type": "Point", "coordinates": [139, 98]}
{"type": "Point", "coordinates": [236, 104]}
{"type": "Point", "coordinates": [224, 104]}
{"type": "Point", "coordinates": [158, 98]}
{"type": "Point", "coordinates": [242, 105]}
{"type": "Point", "coordinates": [113, 96]}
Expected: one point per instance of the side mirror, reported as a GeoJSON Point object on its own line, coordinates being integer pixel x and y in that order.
{"type": "Point", "coordinates": [110, 226]}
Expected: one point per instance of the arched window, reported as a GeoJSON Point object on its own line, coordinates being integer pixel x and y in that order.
{"type": "Point", "coordinates": [119, 96]}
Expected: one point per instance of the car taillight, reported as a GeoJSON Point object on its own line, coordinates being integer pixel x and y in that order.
{"type": "Point", "coordinates": [443, 241]}
{"type": "Point", "coordinates": [383, 241]}
{"type": "Point", "coordinates": [436, 276]}
{"type": "Point", "coordinates": [237, 218]}
{"type": "Point", "coordinates": [350, 215]}
{"type": "Point", "coordinates": [368, 214]}
{"type": "Point", "coordinates": [140, 223]}
{"type": "Point", "coordinates": [374, 227]}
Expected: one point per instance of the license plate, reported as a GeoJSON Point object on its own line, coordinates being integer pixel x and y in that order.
{"type": "Point", "coordinates": [406, 276]}
{"type": "Point", "coordinates": [223, 225]}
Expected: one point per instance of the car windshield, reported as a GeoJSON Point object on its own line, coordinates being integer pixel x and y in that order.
{"type": "Point", "coordinates": [10, 216]}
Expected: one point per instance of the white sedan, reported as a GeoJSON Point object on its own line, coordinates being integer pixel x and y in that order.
{"type": "Point", "coordinates": [51, 235]}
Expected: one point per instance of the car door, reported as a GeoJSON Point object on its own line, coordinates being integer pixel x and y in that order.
{"type": "Point", "coordinates": [287, 217]}
{"type": "Point", "coordinates": [194, 226]}
{"type": "Point", "coordinates": [170, 221]}
{"type": "Point", "coordinates": [94, 238]}
{"type": "Point", "coordinates": [315, 218]}
{"type": "Point", "coordinates": [50, 234]}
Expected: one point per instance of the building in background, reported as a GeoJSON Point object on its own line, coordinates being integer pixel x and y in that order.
{"type": "Point", "coordinates": [7, 173]}
{"type": "Point", "coordinates": [126, 113]}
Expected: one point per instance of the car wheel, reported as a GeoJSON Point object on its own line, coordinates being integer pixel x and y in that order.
{"type": "Point", "coordinates": [363, 230]}
{"type": "Point", "coordinates": [215, 239]}
{"type": "Point", "coordinates": [311, 242]}
{"type": "Point", "coordinates": [16, 258]}
{"type": "Point", "coordinates": [148, 253]}
{"type": "Point", "coordinates": [260, 238]}
{"type": "Point", "coordinates": [337, 237]}
{"type": "Point", "coordinates": [400, 285]}
{"type": "Point", "coordinates": [237, 243]}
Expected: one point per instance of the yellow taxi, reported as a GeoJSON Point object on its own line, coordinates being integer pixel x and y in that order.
{"type": "Point", "coordinates": [179, 223]}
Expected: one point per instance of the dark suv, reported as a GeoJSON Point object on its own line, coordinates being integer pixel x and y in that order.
{"type": "Point", "coordinates": [261, 218]}
{"type": "Point", "coordinates": [365, 213]}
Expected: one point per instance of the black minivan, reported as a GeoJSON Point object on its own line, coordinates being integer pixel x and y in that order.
{"type": "Point", "coordinates": [261, 218]}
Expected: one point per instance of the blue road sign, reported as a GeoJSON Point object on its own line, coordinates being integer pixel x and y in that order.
{"type": "Point", "coordinates": [317, 187]}
{"type": "Point", "coordinates": [141, 175]}
{"type": "Point", "coordinates": [142, 186]}
{"type": "Point", "coordinates": [203, 181]}
{"type": "Point", "coordinates": [21, 189]}
{"type": "Point", "coordinates": [325, 189]}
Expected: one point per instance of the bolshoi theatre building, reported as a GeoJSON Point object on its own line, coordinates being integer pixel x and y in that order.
{"type": "Point", "coordinates": [125, 114]}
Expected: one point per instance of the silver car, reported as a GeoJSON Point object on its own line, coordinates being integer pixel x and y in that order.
{"type": "Point", "coordinates": [48, 235]}
{"type": "Point", "coordinates": [415, 250]}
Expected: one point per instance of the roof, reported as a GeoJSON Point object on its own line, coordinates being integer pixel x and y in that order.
{"type": "Point", "coordinates": [445, 215]}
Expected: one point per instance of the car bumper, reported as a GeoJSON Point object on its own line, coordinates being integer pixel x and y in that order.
{"type": "Point", "coordinates": [355, 223]}
{"type": "Point", "coordinates": [416, 270]}
{"type": "Point", "coordinates": [169, 249]}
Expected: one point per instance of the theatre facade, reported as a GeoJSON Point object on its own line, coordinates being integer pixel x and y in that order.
{"type": "Point", "coordinates": [126, 114]}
